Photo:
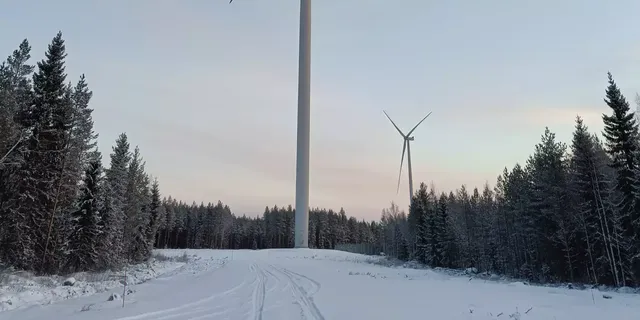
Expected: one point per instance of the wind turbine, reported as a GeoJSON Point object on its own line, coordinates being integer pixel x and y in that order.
{"type": "Point", "coordinates": [407, 138]}
{"type": "Point", "coordinates": [303, 132]}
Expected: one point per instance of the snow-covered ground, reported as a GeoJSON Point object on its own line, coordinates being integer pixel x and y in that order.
{"type": "Point", "coordinates": [323, 284]}
{"type": "Point", "coordinates": [20, 289]}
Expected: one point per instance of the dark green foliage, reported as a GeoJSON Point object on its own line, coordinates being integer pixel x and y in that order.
{"type": "Point", "coordinates": [621, 141]}
{"type": "Point", "coordinates": [621, 134]}
{"type": "Point", "coordinates": [39, 181]}
{"type": "Point", "coordinates": [15, 94]}
{"type": "Point", "coordinates": [154, 213]}
{"type": "Point", "coordinates": [84, 252]}
{"type": "Point", "coordinates": [444, 241]}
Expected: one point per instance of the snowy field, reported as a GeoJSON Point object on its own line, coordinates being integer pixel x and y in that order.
{"type": "Point", "coordinates": [304, 284]}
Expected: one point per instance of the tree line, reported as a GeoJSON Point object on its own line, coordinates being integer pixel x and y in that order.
{"type": "Point", "coordinates": [214, 226]}
{"type": "Point", "coordinates": [60, 209]}
{"type": "Point", "coordinates": [570, 213]}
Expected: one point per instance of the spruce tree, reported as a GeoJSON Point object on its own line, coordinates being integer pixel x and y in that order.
{"type": "Point", "coordinates": [15, 95]}
{"type": "Point", "coordinates": [84, 252]}
{"type": "Point", "coordinates": [522, 232]}
{"type": "Point", "coordinates": [170, 223]}
{"type": "Point", "coordinates": [549, 189]}
{"type": "Point", "coordinates": [114, 202]}
{"type": "Point", "coordinates": [463, 210]}
{"type": "Point", "coordinates": [487, 229]}
{"type": "Point", "coordinates": [40, 180]}
{"type": "Point", "coordinates": [431, 222]}
{"type": "Point", "coordinates": [444, 237]}
{"type": "Point", "coordinates": [620, 133]}
{"type": "Point", "coordinates": [594, 215]}
{"type": "Point", "coordinates": [402, 249]}
{"type": "Point", "coordinates": [136, 210]}
{"type": "Point", "coordinates": [155, 208]}
{"type": "Point", "coordinates": [418, 210]}
{"type": "Point", "coordinates": [83, 138]}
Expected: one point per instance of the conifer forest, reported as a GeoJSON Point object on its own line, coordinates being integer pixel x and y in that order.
{"type": "Point", "coordinates": [571, 213]}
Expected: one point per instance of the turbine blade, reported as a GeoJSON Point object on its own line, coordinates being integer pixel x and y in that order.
{"type": "Point", "coordinates": [393, 123]}
{"type": "Point", "coordinates": [404, 148]}
{"type": "Point", "coordinates": [410, 132]}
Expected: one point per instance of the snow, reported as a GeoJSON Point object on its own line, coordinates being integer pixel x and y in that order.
{"type": "Point", "coordinates": [323, 284]}
{"type": "Point", "coordinates": [19, 289]}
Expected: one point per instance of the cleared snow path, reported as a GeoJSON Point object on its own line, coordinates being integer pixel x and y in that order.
{"type": "Point", "coordinates": [327, 285]}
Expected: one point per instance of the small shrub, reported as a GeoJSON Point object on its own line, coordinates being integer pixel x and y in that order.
{"type": "Point", "coordinates": [184, 258]}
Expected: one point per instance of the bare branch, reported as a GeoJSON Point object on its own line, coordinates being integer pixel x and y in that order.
{"type": "Point", "coordinates": [11, 150]}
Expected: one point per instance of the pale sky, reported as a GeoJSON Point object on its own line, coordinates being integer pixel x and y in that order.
{"type": "Point", "coordinates": [208, 90]}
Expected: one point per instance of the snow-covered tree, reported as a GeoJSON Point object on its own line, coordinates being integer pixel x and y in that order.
{"type": "Point", "coordinates": [38, 230]}
{"type": "Point", "coordinates": [620, 133]}
{"type": "Point", "coordinates": [155, 214]}
{"type": "Point", "coordinates": [15, 95]}
{"type": "Point", "coordinates": [113, 214]}
{"type": "Point", "coordinates": [136, 210]}
{"type": "Point", "coordinates": [84, 251]}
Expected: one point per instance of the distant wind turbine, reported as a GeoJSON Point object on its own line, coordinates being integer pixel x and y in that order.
{"type": "Point", "coordinates": [406, 147]}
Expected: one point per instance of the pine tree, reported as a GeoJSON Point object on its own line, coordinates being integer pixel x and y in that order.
{"type": "Point", "coordinates": [84, 250]}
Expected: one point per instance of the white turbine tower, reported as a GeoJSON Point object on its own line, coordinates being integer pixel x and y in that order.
{"type": "Point", "coordinates": [406, 147]}
{"type": "Point", "coordinates": [304, 119]}
{"type": "Point", "coordinates": [637, 108]}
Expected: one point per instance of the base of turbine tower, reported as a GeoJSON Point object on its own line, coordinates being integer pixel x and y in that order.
{"type": "Point", "coordinates": [301, 219]}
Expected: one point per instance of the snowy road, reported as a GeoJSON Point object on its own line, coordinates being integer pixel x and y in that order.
{"type": "Point", "coordinates": [323, 284]}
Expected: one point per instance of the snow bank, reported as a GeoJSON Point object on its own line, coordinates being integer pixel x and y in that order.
{"type": "Point", "coordinates": [19, 289]}
{"type": "Point", "coordinates": [471, 274]}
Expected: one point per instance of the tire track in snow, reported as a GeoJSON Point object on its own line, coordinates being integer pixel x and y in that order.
{"type": "Point", "coordinates": [259, 293]}
{"type": "Point", "coordinates": [304, 299]}
{"type": "Point", "coordinates": [196, 306]}
{"type": "Point", "coordinates": [316, 285]}
{"type": "Point", "coordinates": [272, 276]}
